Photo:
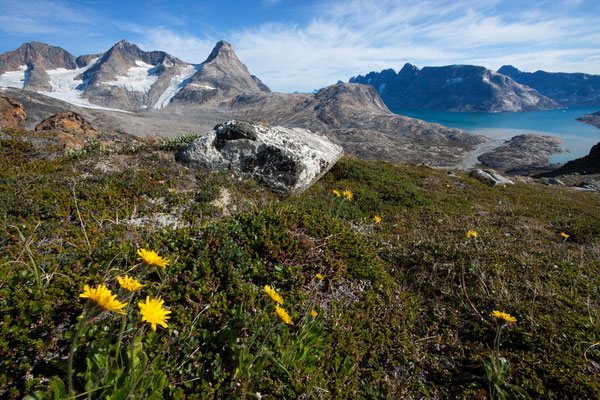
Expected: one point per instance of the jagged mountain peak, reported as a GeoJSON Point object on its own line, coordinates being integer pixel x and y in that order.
{"type": "Point", "coordinates": [408, 68]}
{"type": "Point", "coordinates": [221, 76]}
{"type": "Point", "coordinates": [222, 49]}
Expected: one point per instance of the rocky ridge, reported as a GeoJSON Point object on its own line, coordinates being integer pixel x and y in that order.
{"type": "Point", "coordinates": [592, 119]}
{"type": "Point", "coordinates": [568, 89]}
{"type": "Point", "coordinates": [453, 88]}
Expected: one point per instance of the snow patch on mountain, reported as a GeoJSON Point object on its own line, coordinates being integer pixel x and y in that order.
{"type": "Point", "coordinates": [138, 79]}
{"type": "Point", "coordinates": [177, 83]}
{"type": "Point", "coordinates": [67, 86]}
{"type": "Point", "coordinates": [202, 86]}
{"type": "Point", "coordinates": [14, 79]}
{"type": "Point", "coordinates": [66, 80]}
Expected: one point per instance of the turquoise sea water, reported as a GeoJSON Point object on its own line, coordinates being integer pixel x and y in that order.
{"type": "Point", "coordinates": [578, 137]}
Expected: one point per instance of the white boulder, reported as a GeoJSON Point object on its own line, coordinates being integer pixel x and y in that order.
{"type": "Point", "coordinates": [284, 159]}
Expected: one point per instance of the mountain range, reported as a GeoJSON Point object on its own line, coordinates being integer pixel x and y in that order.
{"type": "Point", "coordinates": [454, 88]}
{"type": "Point", "coordinates": [567, 89]}
{"type": "Point", "coordinates": [153, 93]}
{"type": "Point", "coordinates": [125, 77]}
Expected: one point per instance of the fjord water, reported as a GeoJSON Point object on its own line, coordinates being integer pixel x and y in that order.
{"type": "Point", "coordinates": [577, 136]}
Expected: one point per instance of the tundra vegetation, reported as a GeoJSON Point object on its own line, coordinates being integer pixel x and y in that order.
{"type": "Point", "coordinates": [380, 281]}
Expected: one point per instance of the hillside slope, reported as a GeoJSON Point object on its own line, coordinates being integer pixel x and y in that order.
{"type": "Point", "coordinates": [402, 307]}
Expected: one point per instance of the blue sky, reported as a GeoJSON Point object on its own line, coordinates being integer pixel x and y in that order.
{"type": "Point", "coordinates": [304, 44]}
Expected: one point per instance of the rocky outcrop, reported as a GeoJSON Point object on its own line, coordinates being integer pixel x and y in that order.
{"type": "Point", "coordinates": [12, 113]}
{"type": "Point", "coordinates": [568, 89]}
{"type": "Point", "coordinates": [592, 119]}
{"type": "Point", "coordinates": [523, 151]}
{"type": "Point", "coordinates": [68, 122]}
{"type": "Point", "coordinates": [284, 159]}
{"type": "Point", "coordinates": [72, 130]}
{"type": "Point", "coordinates": [453, 88]}
{"type": "Point", "coordinates": [587, 165]}
{"type": "Point", "coordinates": [491, 177]}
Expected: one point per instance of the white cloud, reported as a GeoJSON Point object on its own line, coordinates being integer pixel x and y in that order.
{"type": "Point", "coordinates": [350, 37]}
{"type": "Point", "coordinates": [355, 37]}
{"type": "Point", "coordinates": [188, 48]}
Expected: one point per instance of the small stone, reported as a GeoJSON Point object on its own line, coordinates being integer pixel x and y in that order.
{"type": "Point", "coordinates": [491, 177]}
{"type": "Point", "coordinates": [553, 181]}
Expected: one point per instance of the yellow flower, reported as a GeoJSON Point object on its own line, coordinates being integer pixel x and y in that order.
{"type": "Point", "coordinates": [130, 284]}
{"type": "Point", "coordinates": [504, 317]}
{"type": "Point", "coordinates": [447, 186]}
{"type": "Point", "coordinates": [471, 234]}
{"type": "Point", "coordinates": [153, 312]}
{"type": "Point", "coordinates": [104, 298]}
{"type": "Point", "coordinates": [348, 194]}
{"type": "Point", "coordinates": [314, 313]}
{"type": "Point", "coordinates": [273, 294]}
{"type": "Point", "coordinates": [564, 235]}
{"type": "Point", "coordinates": [336, 193]}
{"type": "Point", "coordinates": [377, 219]}
{"type": "Point", "coordinates": [319, 276]}
{"type": "Point", "coordinates": [285, 317]}
{"type": "Point", "coordinates": [151, 257]}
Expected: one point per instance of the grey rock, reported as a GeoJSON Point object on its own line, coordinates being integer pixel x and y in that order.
{"type": "Point", "coordinates": [454, 88]}
{"type": "Point", "coordinates": [491, 177]}
{"type": "Point", "coordinates": [553, 182]}
{"type": "Point", "coordinates": [284, 159]}
{"type": "Point", "coordinates": [523, 152]}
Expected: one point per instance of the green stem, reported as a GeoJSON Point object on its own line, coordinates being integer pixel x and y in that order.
{"type": "Point", "coordinates": [120, 339]}
{"type": "Point", "coordinates": [149, 366]}
{"type": "Point", "coordinates": [260, 351]}
{"type": "Point", "coordinates": [83, 321]}
{"type": "Point", "coordinates": [36, 272]}
{"type": "Point", "coordinates": [497, 340]}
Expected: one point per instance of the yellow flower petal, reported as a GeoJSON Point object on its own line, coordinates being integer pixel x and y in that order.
{"type": "Point", "coordinates": [471, 234]}
{"type": "Point", "coordinates": [503, 317]}
{"type": "Point", "coordinates": [130, 284]}
{"type": "Point", "coordinates": [285, 317]}
{"type": "Point", "coordinates": [564, 235]}
{"type": "Point", "coordinates": [153, 312]}
{"type": "Point", "coordinates": [314, 314]}
{"type": "Point", "coordinates": [320, 277]}
{"type": "Point", "coordinates": [273, 294]}
{"type": "Point", "coordinates": [104, 298]}
{"type": "Point", "coordinates": [151, 257]}
{"type": "Point", "coordinates": [348, 194]}
{"type": "Point", "coordinates": [377, 219]}
{"type": "Point", "coordinates": [336, 193]}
